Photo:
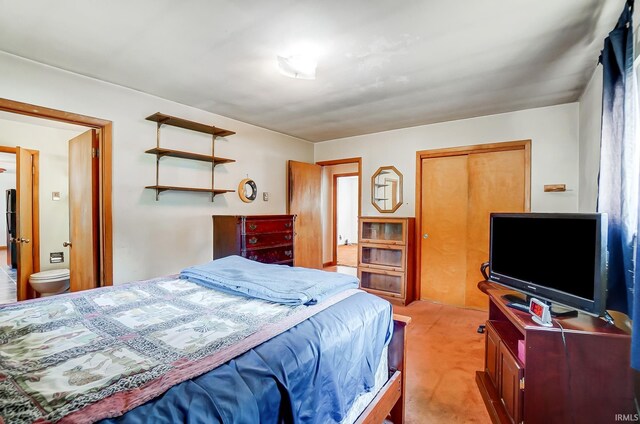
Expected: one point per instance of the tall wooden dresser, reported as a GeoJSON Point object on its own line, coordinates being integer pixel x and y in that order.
{"type": "Point", "coordinates": [386, 258]}
{"type": "Point", "coordinates": [263, 238]}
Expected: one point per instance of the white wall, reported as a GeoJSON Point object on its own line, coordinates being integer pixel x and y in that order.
{"type": "Point", "coordinates": [52, 143]}
{"type": "Point", "coordinates": [347, 211]}
{"type": "Point", "coordinates": [157, 238]}
{"type": "Point", "coordinates": [327, 205]}
{"type": "Point", "coordinates": [553, 132]}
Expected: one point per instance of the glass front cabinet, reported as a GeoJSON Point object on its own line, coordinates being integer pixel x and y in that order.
{"type": "Point", "coordinates": [386, 258]}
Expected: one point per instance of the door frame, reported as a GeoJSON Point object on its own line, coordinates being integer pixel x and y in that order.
{"type": "Point", "coordinates": [358, 162]}
{"type": "Point", "coordinates": [459, 151]}
{"type": "Point", "coordinates": [35, 217]}
{"type": "Point", "coordinates": [334, 201]}
{"type": "Point", "coordinates": [105, 207]}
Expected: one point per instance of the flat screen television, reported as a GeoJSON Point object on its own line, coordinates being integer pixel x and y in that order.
{"type": "Point", "coordinates": [558, 257]}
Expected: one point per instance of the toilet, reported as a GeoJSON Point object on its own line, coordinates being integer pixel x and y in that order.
{"type": "Point", "coordinates": [50, 282]}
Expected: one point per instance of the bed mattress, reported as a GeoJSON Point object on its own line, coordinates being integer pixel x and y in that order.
{"type": "Point", "coordinates": [312, 373]}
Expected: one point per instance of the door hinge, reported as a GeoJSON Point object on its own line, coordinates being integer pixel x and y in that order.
{"type": "Point", "coordinates": [522, 383]}
{"type": "Point", "coordinates": [95, 153]}
{"type": "Point", "coordinates": [33, 170]}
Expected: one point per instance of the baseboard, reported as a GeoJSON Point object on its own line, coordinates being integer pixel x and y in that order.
{"type": "Point", "coordinates": [326, 264]}
{"type": "Point", "coordinates": [3, 247]}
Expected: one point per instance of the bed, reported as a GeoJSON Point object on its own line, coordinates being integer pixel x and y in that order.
{"type": "Point", "coordinates": [330, 360]}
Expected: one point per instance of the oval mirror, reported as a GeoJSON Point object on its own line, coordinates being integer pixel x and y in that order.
{"type": "Point", "coordinates": [386, 189]}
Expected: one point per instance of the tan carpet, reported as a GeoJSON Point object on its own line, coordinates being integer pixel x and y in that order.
{"type": "Point", "coordinates": [444, 353]}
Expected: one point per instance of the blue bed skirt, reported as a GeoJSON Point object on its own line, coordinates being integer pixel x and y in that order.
{"type": "Point", "coordinates": [311, 373]}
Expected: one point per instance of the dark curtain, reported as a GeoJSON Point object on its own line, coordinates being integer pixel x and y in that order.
{"type": "Point", "coordinates": [618, 185]}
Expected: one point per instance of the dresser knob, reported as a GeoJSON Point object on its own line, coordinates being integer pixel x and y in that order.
{"type": "Point", "coordinates": [253, 257]}
{"type": "Point", "coordinates": [253, 240]}
{"type": "Point", "coordinates": [253, 226]}
{"type": "Point", "coordinates": [288, 237]}
{"type": "Point", "coordinates": [287, 225]}
{"type": "Point", "coordinates": [288, 253]}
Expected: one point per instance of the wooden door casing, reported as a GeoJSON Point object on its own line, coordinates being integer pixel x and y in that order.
{"type": "Point", "coordinates": [498, 179]}
{"type": "Point", "coordinates": [305, 182]}
{"type": "Point", "coordinates": [83, 212]}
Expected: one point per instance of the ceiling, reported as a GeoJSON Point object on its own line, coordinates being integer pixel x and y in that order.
{"type": "Point", "coordinates": [383, 64]}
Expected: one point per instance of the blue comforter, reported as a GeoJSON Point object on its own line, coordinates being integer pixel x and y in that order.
{"type": "Point", "coordinates": [309, 374]}
{"type": "Point", "coordinates": [276, 283]}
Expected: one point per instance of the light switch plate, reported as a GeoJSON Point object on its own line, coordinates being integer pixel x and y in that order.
{"type": "Point", "coordinates": [265, 196]}
{"type": "Point", "coordinates": [55, 195]}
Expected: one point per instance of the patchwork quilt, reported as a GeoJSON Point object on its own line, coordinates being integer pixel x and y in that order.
{"type": "Point", "coordinates": [96, 354]}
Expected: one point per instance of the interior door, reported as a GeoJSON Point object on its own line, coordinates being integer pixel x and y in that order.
{"type": "Point", "coordinates": [458, 194]}
{"type": "Point", "coordinates": [83, 211]}
{"type": "Point", "coordinates": [444, 229]}
{"type": "Point", "coordinates": [305, 180]}
{"type": "Point", "coordinates": [496, 184]}
{"type": "Point", "coordinates": [24, 221]}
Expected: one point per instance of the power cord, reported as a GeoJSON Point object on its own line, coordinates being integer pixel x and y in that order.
{"type": "Point", "coordinates": [568, 364]}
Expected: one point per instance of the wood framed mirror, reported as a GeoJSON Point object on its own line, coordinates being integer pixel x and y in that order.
{"type": "Point", "coordinates": [386, 189]}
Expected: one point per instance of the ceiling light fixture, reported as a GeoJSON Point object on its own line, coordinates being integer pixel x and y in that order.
{"type": "Point", "coordinates": [300, 66]}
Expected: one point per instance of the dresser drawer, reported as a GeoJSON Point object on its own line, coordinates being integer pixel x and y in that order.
{"type": "Point", "coordinates": [259, 241]}
{"type": "Point", "coordinates": [257, 226]}
{"type": "Point", "coordinates": [274, 255]}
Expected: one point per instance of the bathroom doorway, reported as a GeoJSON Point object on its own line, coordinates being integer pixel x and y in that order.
{"type": "Point", "coordinates": [55, 189]}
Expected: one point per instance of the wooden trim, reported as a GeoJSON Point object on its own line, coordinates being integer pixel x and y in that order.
{"type": "Point", "coordinates": [3, 247]}
{"type": "Point", "coordinates": [383, 402]}
{"type": "Point", "coordinates": [479, 148]}
{"type": "Point", "coordinates": [459, 151]}
{"type": "Point", "coordinates": [334, 207]}
{"type": "Point", "coordinates": [106, 169]}
{"type": "Point", "coordinates": [52, 114]}
{"type": "Point", "coordinates": [328, 264]}
{"type": "Point", "coordinates": [358, 161]}
{"type": "Point", "coordinates": [7, 149]}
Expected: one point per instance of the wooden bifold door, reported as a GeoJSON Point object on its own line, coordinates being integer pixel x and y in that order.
{"type": "Point", "coordinates": [459, 188]}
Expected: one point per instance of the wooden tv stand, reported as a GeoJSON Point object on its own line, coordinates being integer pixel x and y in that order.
{"type": "Point", "coordinates": [588, 382]}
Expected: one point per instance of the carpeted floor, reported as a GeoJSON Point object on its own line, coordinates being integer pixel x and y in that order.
{"type": "Point", "coordinates": [444, 352]}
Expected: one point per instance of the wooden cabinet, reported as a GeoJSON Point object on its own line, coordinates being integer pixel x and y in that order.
{"type": "Point", "coordinates": [576, 371]}
{"type": "Point", "coordinates": [162, 119]}
{"type": "Point", "coordinates": [386, 258]}
{"type": "Point", "coordinates": [262, 238]}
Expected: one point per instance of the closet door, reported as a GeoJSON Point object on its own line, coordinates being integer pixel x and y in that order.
{"type": "Point", "coordinates": [496, 184]}
{"type": "Point", "coordinates": [459, 189]}
{"type": "Point", "coordinates": [444, 229]}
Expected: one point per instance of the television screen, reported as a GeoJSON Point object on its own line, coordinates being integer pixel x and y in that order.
{"type": "Point", "coordinates": [558, 257]}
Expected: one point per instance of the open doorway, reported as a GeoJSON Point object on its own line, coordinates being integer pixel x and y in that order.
{"type": "Point", "coordinates": [85, 140]}
{"type": "Point", "coordinates": [333, 171]}
{"type": "Point", "coordinates": [345, 203]}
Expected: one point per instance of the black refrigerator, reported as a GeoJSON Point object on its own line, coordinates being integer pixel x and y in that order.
{"type": "Point", "coordinates": [12, 251]}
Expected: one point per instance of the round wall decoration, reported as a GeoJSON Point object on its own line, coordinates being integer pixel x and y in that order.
{"type": "Point", "coordinates": [247, 190]}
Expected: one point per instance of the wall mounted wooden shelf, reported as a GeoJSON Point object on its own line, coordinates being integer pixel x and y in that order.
{"type": "Point", "coordinates": [160, 152]}
{"type": "Point", "coordinates": [188, 155]}
{"type": "Point", "coordinates": [161, 118]}
{"type": "Point", "coordinates": [161, 188]}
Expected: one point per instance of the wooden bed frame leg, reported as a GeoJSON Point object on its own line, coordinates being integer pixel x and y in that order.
{"type": "Point", "coordinates": [397, 360]}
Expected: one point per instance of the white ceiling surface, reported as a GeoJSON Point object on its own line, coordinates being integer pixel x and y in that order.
{"type": "Point", "coordinates": [382, 65]}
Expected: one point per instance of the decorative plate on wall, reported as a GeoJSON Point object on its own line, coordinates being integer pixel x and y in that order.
{"type": "Point", "coordinates": [247, 190]}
